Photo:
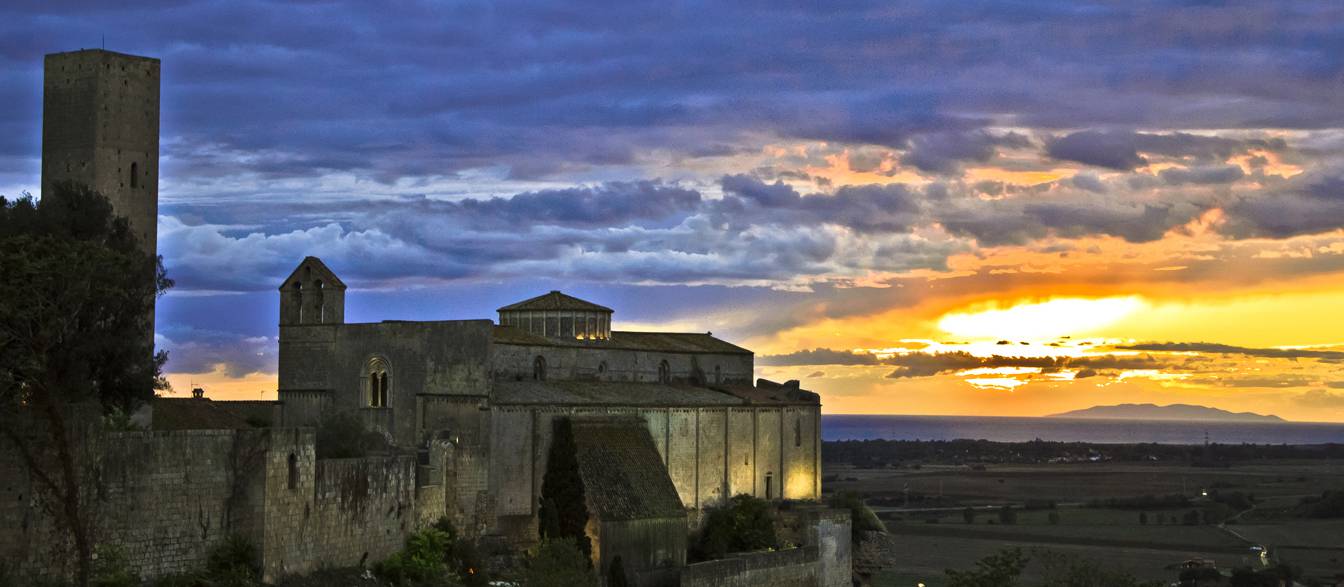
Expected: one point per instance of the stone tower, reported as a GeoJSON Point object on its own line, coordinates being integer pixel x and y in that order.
{"type": "Point", "coordinates": [100, 128]}
{"type": "Point", "coordinates": [312, 294]}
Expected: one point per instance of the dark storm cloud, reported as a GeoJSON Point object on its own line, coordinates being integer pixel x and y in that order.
{"type": "Point", "coordinates": [1125, 150]}
{"type": "Point", "coordinates": [1226, 349]}
{"type": "Point", "coordinates": [1307, 204]}
{"type": "Point", "coordinates": [818, 356]}
{"type": "Point", "coordinates": [944, 152]}
{"type": "Point", "coordinates": [417, 89]}
{"type": "Point", "coordinates": [923, 364]}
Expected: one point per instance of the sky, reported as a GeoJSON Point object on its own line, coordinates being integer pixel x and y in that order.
{"type": "Point", "coordinates": [979, 208]}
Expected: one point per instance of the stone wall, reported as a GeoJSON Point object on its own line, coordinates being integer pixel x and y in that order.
{"type": "Point", "coordinates": [167, 497]}
{"type": "Point", "coordinates": [711, 453]}
{"type": "Point", "coordinates": [795, 567]}
{"type": "Point", "coordinates": [262, 414]}
{"type": "Point", "coordinates": [563, 363]}
{"type": "Point", "coordinates": [449, 358]}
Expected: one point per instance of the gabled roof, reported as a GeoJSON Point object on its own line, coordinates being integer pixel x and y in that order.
{"type": "Point", "coordinates": [670, 342]}
{"type": "Point", "coordinates": [318, 270]}
{"type": "Point", "coordinates": [623, 476]}
{"type": "Point", "coordinates": [555, 301]}
{"type": "Point", "coordinates": [194, 414]}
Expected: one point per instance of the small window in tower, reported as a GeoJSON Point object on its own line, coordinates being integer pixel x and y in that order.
{"type": "Point", "coordinates": [718, 375]}
{"type": "Point", "coordinates": [769, 485]}
{"type": "Point", "coordinates": [293, 471]}
{"type": "Point", "coordinates": [664, 372]}
{"type": "Point", "coordinates": [135, 178]}
{"type": "Point", "coordinates": [798, 432]}
{"type": "Point", "coordinates": [539, 369]}
{"type": "Point", "coordinates": [601, 369]}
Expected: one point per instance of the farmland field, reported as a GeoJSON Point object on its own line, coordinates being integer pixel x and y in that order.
{"type": "Point", "coordinates": [923, 511]}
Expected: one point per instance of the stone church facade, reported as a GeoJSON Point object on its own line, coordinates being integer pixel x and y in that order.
{"type": "Point", "coordinates": [492, 390]}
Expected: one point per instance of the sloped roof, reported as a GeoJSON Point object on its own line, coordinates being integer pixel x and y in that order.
{"type": "Point", "coordinates": [323, 272]}
{"type": "Point", "coordinates": [671, 342]}
{"type": "Point", "coordinates": [623, 476]}
{"type": "Point", "coordinates": [193, 414]}
{"type": "Point", "coordinates": [555, 300]}
{"type": "Point", "coordinates": [608, 393]}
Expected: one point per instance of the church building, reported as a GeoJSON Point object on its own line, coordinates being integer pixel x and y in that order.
{"type": "Point", "coordinates": [492, 390]}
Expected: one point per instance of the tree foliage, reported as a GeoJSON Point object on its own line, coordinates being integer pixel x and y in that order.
{"type": "Point", "coordinates": [1001, 569]}
{"type": "Point", "coordinates": [558, 562]}
{"type": "Point", "coordinates": [745, 523]}
{"type": "Point", "coordinates": [861, 517]}
{"type": "Point", "coordinates": [563, 510]}
{"type": "Point", "coordinates": [76, 303]}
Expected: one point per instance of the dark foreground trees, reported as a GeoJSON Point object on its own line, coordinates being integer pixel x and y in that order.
{"type": "Point", "coordinates": [76, 301]}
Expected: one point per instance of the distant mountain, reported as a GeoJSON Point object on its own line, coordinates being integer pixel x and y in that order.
{"type": "Point", "coordinates": [1171, 412]}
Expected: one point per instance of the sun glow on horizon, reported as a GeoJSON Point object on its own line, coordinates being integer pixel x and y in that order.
{"type": "Point", "coordinates": [1037, 321]}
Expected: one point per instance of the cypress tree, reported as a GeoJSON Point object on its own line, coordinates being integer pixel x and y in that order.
{"type": "Point", "coordinates": [564, 513]}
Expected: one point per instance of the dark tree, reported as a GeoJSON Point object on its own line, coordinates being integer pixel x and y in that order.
{"type": "Point", "coordinates": [744, 524]}
{"type": "Point", "coordinates": [76, 301]}
{"type": "Point", "coordinates": [564, 511]}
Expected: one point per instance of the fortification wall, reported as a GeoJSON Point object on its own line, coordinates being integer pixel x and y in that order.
{"type": "Point", "coordinates": [165, 498]}
{"type": "Point", "coordinates": [795, 567]}
{"type": "Point", "coordinates": [349, 511]}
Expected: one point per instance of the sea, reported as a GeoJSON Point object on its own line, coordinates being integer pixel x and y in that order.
{"type": "Point", "coordinates": [1006, 429]}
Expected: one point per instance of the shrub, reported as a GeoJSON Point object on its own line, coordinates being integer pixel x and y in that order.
{"type": "Point", "coordinates": [422, 563]}
{"type": "Point", "coordinates": [743, 524]}
{"type": "Point", "coordinates": [1001, 569]}
{"type": "Point", "coordinates": [1007, 515]}
{"type": "Point", "coordinates": [862, 520]}
{"type": "Point", "coordinates": [559, 563]}
{"type": "Point", "coordinates": [110, 569]}
{"type": "Point", "coordinates": [232, 563]}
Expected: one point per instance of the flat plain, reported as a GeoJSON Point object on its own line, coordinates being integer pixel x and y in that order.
{"type": "Point", "coordinates": [923, 508]}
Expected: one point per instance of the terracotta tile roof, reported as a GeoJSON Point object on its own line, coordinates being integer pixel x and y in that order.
{"type": "Point", "coordinates": [554, 300]}
{"type": "Point", "coordinates": [623, 476]}
{"type": "Point", "coordinates": [193, 414]}
{"type": "Point", "coordinates": [671, 342]}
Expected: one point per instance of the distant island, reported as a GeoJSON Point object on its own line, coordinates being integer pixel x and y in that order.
{"type": "Point", "coordinates": [1171, 412]}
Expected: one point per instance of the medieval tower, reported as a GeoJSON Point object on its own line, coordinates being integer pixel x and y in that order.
{"type": "Point", "coordinates": [100, 128]}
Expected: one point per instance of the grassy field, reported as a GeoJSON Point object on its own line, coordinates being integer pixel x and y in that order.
{"type": "Point", "coordinates": [930, 535]}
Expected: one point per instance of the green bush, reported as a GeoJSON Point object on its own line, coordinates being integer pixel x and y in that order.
{"type": "Point", "coordinates": [559, 563]}
{"type": "Point", "coordinates": [233, 563]}
{"type": "Point", "coordinates": [743, 524]}
{"type": "Point", "coordinates": [423, 562]}
{"type": "Point", "coordinates": [1000, 569]}
{"type": "Point", "coordinates": [110, 569]}
{"type": "Point", "coordinates": [862, 520]}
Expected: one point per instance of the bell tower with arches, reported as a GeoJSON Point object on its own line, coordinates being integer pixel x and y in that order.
{"type": "Point", "coordinates": [312, 294]}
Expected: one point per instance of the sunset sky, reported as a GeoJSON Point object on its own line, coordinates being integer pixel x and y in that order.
{"type": "Point", "coordinates": [984, 208]}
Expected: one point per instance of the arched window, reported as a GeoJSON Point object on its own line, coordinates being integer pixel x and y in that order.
{"type": "Point", "coordinates": [539, 368]}
{"type": "Point", "coordinates": [379, 383]}
{"type": "Point", "coordinates": [798, 431]}
{"type": "Point", "coordinates": [601, 369]}
{"type": "Point", "coordinates": [293, 471]}
{"type": "Point", "coordinates": [321, 303]}
{"type": "Point", "coordinates": [135, 175]}
{"type": "Point", "coordinates": [664, 372]}
{"type": "Point", "coordinates": [718, 375]}
{"type": "Point", "coordinates": [769, 485]}
{"type": "Point", "coordinates": [298, 300]}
